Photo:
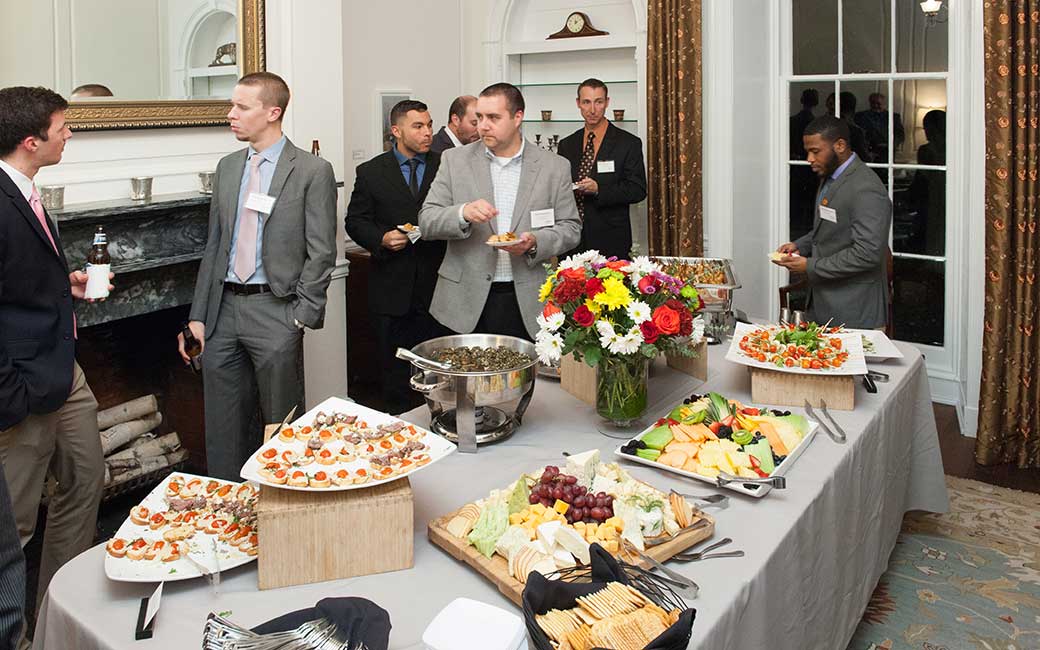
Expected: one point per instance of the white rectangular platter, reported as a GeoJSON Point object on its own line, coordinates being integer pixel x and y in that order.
{"type": "Point", "coordinates": [851, 342]}
{"type": "Point", "coordinates": [884, 348]}
{"type": "Point", "coordinates": [206, 549]}
{"type": "Point", "coordinates": [435, 448]}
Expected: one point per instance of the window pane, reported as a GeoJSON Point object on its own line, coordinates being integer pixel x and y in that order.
{"type": "Point", "coordinates": [804, 184]}
{"type": "Point", "coordinates": [919, 212]}
{"type": "Point", "coordinates": [921, 43]}
{"type": "Point", "coordinates": [814, 36]}
{"type": "Point", "coordinates": [914, 101]}
{"type": "Point", "coordinates": [918, 296]}
{"type": "Point", "coordinates": [865, 106]}
{"type": "Point", "coordinates": [806, 103]}
{"type": "Point", "coordinates": [866, 36]}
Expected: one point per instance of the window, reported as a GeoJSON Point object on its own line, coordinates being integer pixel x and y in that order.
{"type": "Point", "coordinates": [882, 66]}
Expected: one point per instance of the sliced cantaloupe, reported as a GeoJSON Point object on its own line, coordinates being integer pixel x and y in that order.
{"type": "Point", "coordinates": [673, 458]}
{"type": "Point", "coordinates": [679, 433]}
{"type": "Point", "coordinates": [692, 465]}
{"type": "Point", "coordinates": [767, 429]}
{"type": "Point", "coordinates": [691, 448]}
{"type": "Point", "coordinates": [700, 431]}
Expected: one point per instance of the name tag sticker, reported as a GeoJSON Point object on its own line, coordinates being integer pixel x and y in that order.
{"type": "Point", "coordinates": [605, 166]}
{"type": "Point", "coordinates": [543, 218]}
{"type": "Point", "coordinates": [260, 202]}
{"type": "Point", "coordinates": [828, 214]}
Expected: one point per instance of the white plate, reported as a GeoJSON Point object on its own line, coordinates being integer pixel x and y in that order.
{"type": "Point", "coordinates": [502, 244]}
{"type": "Point", "coordinates": [851, 342]}
{"type": "Point", "coordinates": [438, 448]}
{"type": "Point", "coordinates": [761, 491]}
{"type": "Point", "coordinates": [884, 348]}
{"type": "Point", "coordinates": [200, 546]}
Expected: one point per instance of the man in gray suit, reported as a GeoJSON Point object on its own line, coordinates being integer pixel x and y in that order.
{"type": "Point", "coordinates": [267, 264]}
{"type": "Point", "coordinates": [501, 184]}
{"type": "Point", "coordinates": [844, 255]}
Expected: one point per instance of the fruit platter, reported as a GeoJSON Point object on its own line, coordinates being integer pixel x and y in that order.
{"type": "Point", "coordinates": [546, 520]}
{"type": "Point", "coordinates": [339, 445]}
{"type": "Point", "coordinates": [709, 435]}
{"type": "Point", "coordinates": [807, 348]}
{"type": "Point", "coordinates": [186, 527]}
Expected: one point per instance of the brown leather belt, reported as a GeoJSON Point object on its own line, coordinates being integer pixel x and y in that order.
{"type": "Point", "coordinates": [246, 289]}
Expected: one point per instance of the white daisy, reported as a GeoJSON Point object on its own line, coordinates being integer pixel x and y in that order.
{"type": "Point", "coordinates": [641, 266]}
{"type": "Point", "coordinates": [548, 346]}
{"type": "Point", "coordinates": [629, 343]}
{"type": "Point", "coordinates": [552, 323]}
{"type": "Point", "coordinates": [698, 330]}
{"type": "Point", "coordinates": [638, 311]}
{"type": "Point", "coordinates": [607, 335]}
{"type": "Point", "coordinates": [581, 259]}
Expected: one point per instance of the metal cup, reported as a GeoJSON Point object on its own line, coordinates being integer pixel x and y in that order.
{"type": "Point", "coordinates": [798, 317]}
{"type": "Point", "coordinates": [141, 188]}
{"type": "Point", "coordinates": [785, 315]}
{"type": "Point", "coordinates": [206, 182]}
{"type": "Point", "coordinates": [52, 197]}
{"type": "Point", "coordinates": [547, 115]}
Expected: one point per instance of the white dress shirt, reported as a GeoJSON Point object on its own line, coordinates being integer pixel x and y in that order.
{"type": "Point", "coordinates": [21, 181]}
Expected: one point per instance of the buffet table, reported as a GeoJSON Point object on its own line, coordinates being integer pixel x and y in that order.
{"type": "Point", "coordinates": [814, 551]}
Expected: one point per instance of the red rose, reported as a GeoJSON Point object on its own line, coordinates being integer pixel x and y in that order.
{"type": "Point", "coordinates": [573, 274]}
{"type": "Point", "coordinates": [617, 265]}
{"type": "Point", "coordinates": [568, 291]}
{"type": "Point", "coordinates": [648, 285]}
{"type": "Point", "coordinates": [649, 330]}
{"type": "Point", "coordinates": [583, 316]}
{"type": "Point", "coordinates": [685, 316]}
{"type": "Point", "coordinates": [593, 286]}
{"type": "Point", "coordinates": [666, 319]}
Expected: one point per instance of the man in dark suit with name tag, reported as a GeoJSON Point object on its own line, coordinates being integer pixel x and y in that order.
{"type": "Point", "coordinates": [844, 255]}
{"type": "Point", "coordinates": [607, 167]}
{"type": "Point", "coordinates": [388, 192]}
{"type": "Point", "coordinates": [263, 276]}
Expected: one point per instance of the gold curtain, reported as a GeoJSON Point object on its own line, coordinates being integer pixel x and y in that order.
{"type": "Point", "coordinates": [673, 131]}
{"type": "Point", "coordinates": [1009, 416]}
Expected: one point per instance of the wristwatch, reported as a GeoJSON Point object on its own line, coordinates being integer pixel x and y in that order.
{"type": "Point", "coordinates": [532, 251]}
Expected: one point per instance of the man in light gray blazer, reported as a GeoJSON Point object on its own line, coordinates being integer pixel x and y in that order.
{"type": "Point", "coordinates": [497, 185]}
{"type": "Point", "coordinates": [845, 253]}
{"type": "Point", "coordinates": [263, 277]}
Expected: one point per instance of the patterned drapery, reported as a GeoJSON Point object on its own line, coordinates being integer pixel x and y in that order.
{"type": "Point", "coordinates": [674, 131]}
{"type": "Point", "coordinates": [1009, 415]}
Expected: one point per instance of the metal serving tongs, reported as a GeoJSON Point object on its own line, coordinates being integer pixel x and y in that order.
{"type": "Point", "coordinates": [673, 578]}
{"type": "Point", "coordinates": [706, 554]}
{"type": "Point", "coordinates": [775, 482]}
{"type": "Point", "coordinates": [836, 435]}
{"type": "Point", "coordinates": [720, 501]}
{"type": "Point", "coordinates": [422, 362]}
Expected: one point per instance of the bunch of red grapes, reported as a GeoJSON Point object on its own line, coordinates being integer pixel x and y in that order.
{"type": "Point", "coordinates": [584, 506]}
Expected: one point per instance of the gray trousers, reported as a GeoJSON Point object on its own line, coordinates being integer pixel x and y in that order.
{"type": "Point", "coordinates": [253, 353]}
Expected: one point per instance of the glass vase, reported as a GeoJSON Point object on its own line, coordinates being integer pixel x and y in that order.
{"type": "Point", "coordinates": [621, 390]}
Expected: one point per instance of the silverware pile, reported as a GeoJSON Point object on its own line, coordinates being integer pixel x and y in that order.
{"type": "Point", "coordinates": [320, 634]}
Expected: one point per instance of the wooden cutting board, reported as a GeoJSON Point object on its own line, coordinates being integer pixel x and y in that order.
{"type": "Point", "coordinates": [496, 569]}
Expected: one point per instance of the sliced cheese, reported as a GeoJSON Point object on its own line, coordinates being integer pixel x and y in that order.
{"type": "Point", "coordinates": [570, 539]}
{"type": "Point", "coordinates": [460, 526]}
{"type": "Point", "coordinates": [562, 558]}
{"type": "Point", "coordinates": [547, 534]}
{"type": "Point", "coordinates": [511, 541]}
{"type": "Point", "coordinates": [583, 466]}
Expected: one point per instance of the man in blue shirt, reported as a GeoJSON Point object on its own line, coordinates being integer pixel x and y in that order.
{"type": "Point", "coordinates": [382, 217]}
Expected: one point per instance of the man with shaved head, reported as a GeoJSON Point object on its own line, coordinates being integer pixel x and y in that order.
{"type": "Point", "coordinates": [461, 128]}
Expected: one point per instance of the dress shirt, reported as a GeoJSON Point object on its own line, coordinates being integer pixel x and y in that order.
{"type": "Point", "coordinates": [406, 169]}
{"type": "Point", "coordinates": [600, 131]}
{"type": "Point", "coordinates": [505, 179]}
{"type": "Point", "coordinates": [451, 136]}
{"type": "Point", "coordinates": [21, 181]}
{"type": "Point", "coordinates": [834, 176]}
{"type": "Point", "coordinates": [270, 157]}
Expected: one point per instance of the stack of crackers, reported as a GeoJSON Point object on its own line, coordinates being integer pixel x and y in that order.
{"type": "Point", "coordinates": [617, 617]}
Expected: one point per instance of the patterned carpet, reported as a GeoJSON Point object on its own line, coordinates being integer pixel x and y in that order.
{"type": "Point", "coordinates": [966, 580]}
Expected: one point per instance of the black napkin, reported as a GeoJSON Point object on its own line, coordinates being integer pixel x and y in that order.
{"type": "Point", "coordinates": [360, 620]}
{"type": "Point", "coordinates": [540, 595]}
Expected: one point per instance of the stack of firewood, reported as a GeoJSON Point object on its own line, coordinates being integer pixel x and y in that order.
{"type": "Point", "coordinates": [130, 444]}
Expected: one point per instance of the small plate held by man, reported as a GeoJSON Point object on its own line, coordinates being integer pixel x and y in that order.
{"type": "Point", "coordinates": [503, 240]}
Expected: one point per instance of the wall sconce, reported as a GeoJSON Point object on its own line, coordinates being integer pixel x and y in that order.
{"type": "Point", "coordinates": [931, 9]}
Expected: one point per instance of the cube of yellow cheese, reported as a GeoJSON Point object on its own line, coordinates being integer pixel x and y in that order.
{"type": "Point", "coordinates": [605, 533]}
{"type": "Point", "coordinates": [560, 506]}
{"type": "Point", "coordinates": [611, 547]}
{"type": "Point", "coordinates": [538, 509]}
{"type": "Point", "coordinates": [516, 519]}
{"type": "Point", "coordinates": [616, 523]}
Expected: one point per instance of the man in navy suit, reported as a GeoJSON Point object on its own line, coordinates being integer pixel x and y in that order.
{"type": "Point", "coordinates": [48, 414]}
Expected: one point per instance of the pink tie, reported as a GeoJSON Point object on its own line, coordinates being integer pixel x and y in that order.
{"type": "Point", "coordinates": [248, 222]}
{"type": "Point", "coordinates": [37, 208]}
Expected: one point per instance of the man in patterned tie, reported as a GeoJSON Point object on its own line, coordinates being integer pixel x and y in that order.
{"type": "Point", "coordinates": [263, 276]}
{"type": "Point", "coordinates": [48, 414]}
{"type": "Point", "coordinates": [608, 173]}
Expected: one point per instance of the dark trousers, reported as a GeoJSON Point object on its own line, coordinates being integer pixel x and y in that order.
{"type": "Point", "coordinates": [12, 572]}
{"type": "Point", "coordinates": [501, 313]}
{"type": "Point", "coordinates": [253, 354]}
{"type": "Point", "coordinates": [405, 332]}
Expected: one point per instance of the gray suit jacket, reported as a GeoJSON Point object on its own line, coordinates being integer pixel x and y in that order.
{"type": "Point", "coordinates": [469, 265]}
{"type": "Point", "coordinates": [848, 278]}
{"type": "Point", "coordinates": [299, 250]}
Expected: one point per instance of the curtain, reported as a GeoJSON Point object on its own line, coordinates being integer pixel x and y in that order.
{"type": "Point", "coordinates": [673, 131]}
{"type": "Point", "coordinates": [1009, 416]}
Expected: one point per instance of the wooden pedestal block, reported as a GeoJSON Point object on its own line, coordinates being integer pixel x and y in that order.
{"type": "Point", "coordinates": [310, 537]}
{"type": "Point", "coordinates": [578, 379]}
{"type": "Point", "coordinates": [790, 389]}
{"type": "Point", "coordinates": [696, 367]}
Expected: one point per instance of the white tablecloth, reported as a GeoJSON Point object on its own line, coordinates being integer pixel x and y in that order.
{"type": "Point", "coordinates": [814, 551]}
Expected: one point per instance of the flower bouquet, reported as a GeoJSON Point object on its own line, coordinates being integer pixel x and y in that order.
{"type": "Point", "coordinates": [616, 315]}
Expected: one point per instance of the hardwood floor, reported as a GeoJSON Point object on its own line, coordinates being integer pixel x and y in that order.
{"type": "Point", "coordinates": [958, 454]}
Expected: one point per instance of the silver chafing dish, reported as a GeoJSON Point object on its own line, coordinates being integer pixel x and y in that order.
{"type": "Point", "coordinates": [717, 296]}
{"type": "Point", "coordinates": [472, 408]}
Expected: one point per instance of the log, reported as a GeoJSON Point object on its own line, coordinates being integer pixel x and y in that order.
{"type": "Point", "coordinates": [151, 465]}
{"type": "Point", "coordinates": [133, 410]}
{"type": "Point", "coordinates": [151, 447]}
{"type": "Point", "coordinates": [115, 437]}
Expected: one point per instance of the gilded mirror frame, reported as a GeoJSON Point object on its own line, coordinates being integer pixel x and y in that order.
{"type": "Point", "coordinates": [112, 115]}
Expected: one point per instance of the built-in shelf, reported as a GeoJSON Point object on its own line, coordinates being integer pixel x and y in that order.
{"type": "Point", "coordinates": [571, 84]}
{"type": "Point", "coordinates": [216, 71]}
{"type": "Point", "coordinates": [568, 45]}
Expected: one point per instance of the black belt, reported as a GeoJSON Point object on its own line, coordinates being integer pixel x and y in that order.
{"type": "Point", "coordinates": [503, 287]}
{"type": "Point", "coordinates": [246, 289]}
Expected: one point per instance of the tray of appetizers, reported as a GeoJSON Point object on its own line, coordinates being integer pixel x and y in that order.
{"type": "Point", "coordinates": [341, 445]}
{"type": "Point", "coordinates": [807, 349]}
{"type": "Point", "coordinates": [188, 526]}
